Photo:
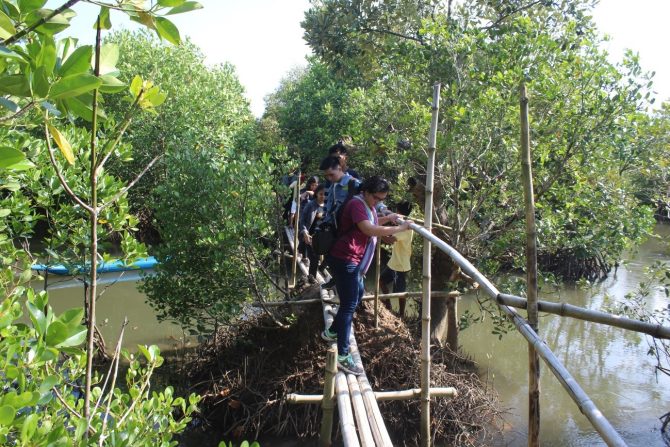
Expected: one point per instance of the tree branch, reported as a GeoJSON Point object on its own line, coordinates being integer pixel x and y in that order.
{"type": "Point", "coordinates": [131, 184]}
{"type": "Point", "coordinates": [505, 16]}
{"type": "Point", "coordinates": [27, 107]}
{"type": "Point", "coordinates": [11, 39]}
{"type": "Point", "coordinates": [62, 180]}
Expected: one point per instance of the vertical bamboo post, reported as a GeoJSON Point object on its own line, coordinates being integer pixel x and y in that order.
{"type": "Point", "coordinates": [425, 312]}
{"type": "Point", "coordinates": [296, 221]}
{"type": "Point", "coordinates": [531, 273]}
{"type": "Point", "coordinates": [452, 324]}
{"type": "Point", "coordinates": [378, 273]}
{"type": "Point", "coordinates": [328, 402]}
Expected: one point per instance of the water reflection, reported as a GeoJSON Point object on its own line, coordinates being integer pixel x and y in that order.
{"type": "Point", "coordinates": [609, 363]}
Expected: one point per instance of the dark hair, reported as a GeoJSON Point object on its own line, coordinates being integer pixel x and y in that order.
{"type": "Point", "coordinates": [374, 184]}
{"type": "Point", "coordinates": [404, 208]}
{"type": "Point", "coordinates": [330, 162]}
{"type": "Point", "coordinates": [338, 148]}
{"type": "Point", "coordinates": [319, 188]}
{"type": "Point", "coordinates": [312, 179]}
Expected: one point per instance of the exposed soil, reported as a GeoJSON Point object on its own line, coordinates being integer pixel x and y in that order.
{"type": "Point", "coordinates": [244, 376]}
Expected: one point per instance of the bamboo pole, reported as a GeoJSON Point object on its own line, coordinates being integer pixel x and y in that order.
{"type": "Point", "coordinates": [347, 425]}
{"type": "Point", "coordinates": [375, 419]}
{"type": "Point", "coordinates": [296, 222]}
{"type": "Point", "coordinates": [360, 412]}
{"type": "Point", "coordinates": [378, 255]}
{"type": "Point", "coordinates": [452, 324]}
{"type": "Point", "coordinates": [531, 272]}
{"type": "Point", "coordinates": [328, 403]}
{"type": "Point", "coordinates": [585, 404]}
{"type": "Point", "coordinates": [595, 316]}
{"type": "Point", "coordinates": [425, 311]}
{"type": "Point", "coordinates": [382, 396]}
{"type": "Point", "coordinates": [415, 393]}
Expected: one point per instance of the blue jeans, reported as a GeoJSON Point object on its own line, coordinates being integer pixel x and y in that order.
{"type": "Point", "coordinates": [350, 289]}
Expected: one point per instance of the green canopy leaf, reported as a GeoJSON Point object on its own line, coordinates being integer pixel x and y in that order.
{"type": "Point", "coordinates": [78, 62]}
{"type": "Point", "coordinates": [7, 414]}
{"type": "Point", "coordinates": [6, 26]}
{"type": "Point", "coordinates": [170, 3]}
{"type": "Point", "coordinates": [74, 85]}
{"type": "Point", "coordinates": [185, 7]}
{"type": "Point", "coordinates": [13, 159]}
{"type": "Point", "coordinates": [109, 55]}
{"type": "Point", "coordinates": [167, 30]}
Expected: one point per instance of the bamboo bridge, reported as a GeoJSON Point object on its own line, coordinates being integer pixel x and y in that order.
{"type": "Point", "coordinates": [360, 420]}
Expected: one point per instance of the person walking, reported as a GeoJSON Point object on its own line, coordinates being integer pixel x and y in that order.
{"type": "Point", "coordinates": [309, 219]}
{"type": "Point", "coordinates": [350, 258]}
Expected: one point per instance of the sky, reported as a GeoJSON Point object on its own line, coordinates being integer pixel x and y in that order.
{"type": "Point", "coordinates": [263, 38]}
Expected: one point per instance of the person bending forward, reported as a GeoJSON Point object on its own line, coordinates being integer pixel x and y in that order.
{"type": "Point", "coordinates": [350, 258]}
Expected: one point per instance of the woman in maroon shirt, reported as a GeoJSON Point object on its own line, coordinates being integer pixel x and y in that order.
{"type": "Point", "coordinates": [351, 256]}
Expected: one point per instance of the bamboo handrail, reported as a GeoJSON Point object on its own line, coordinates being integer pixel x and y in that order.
{"type": "Point", "coordinates": [584, 403]}
{"type": "Point", "coordinates": [595, 316]}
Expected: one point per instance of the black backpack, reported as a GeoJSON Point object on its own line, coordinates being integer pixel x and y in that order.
{"type": "Point", "coordinates": [325, 234]}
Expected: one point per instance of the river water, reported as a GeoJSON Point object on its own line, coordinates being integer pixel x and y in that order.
{"type": "Point", "coordinates": [610, 364]}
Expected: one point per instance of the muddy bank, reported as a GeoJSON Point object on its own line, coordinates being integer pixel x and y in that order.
{"type": "Point", "coordinates": [245, 374]}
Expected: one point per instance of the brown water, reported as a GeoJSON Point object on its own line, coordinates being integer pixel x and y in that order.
{"type": "Point", "coordinates": [609, 363]}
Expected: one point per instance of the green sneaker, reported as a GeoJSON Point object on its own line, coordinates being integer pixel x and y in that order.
{"type": "Point", "coordinates": [346, 363]}
{"type": "Point", "coordinates": [328, 335]}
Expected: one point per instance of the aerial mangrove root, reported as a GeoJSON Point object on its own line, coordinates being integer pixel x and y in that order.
{"type": "Point", "coordinates": [244, 382]}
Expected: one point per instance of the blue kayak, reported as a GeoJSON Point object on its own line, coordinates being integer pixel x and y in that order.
{"type": "Point", "coordinates": [103, 267]}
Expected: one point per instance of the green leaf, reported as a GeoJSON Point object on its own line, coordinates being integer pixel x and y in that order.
{"type": "Point", "coordinates": [110, 84]}
{"type": "Point", "coordinates": [74, 85]}
{"type": "Point", "coordinates": [63, 144]}
{"type": "Point", "coordinates": [82, 106]}
{"type": "Point", "coordinates": [7, 414]}
{"type": "Point", "coordinates": [27, 6]}
{"type": "Point", "coordinates": [7, 29]}
{"type": "Point", "coordinates": [59, 335]}
{"type": "Point", "coordinates": [14, 160]}
{"type": "Point", "coordinates": [109, 55]}
{"type": "Point", "coordinates": [29, 428]}
{"type": "Point", "coordinates": [37, 317]}
{"type": "Point", "coordinates": [55, 24]}
{"type": "Point", "coordinates": [72, 317]}
{"type": "Point", "coordinates": [46, 58]}
{"type": "Point", "coordinates": [78, 62]}
{"type": "Point", "coordinates": [185, 7]}
{"type": "Point", "coordinates": [167, 30]}
{"type": "Point", "coordinates": [4, 212]}
{"type": "Point", "coordinates": [136, 86]}
{"type": "Point", "coordinates": [145, 352]}
{"type": "Point", "coordinates": [48, 384]}
{"type": "Point", "coordinates": [170, 3]}
{"type": "Point", "coordinates": [6, 53]}
{"type": "Point", "coordinates": [40, 83]}
{"type": "Point", "coordinates": [16, 85]}
{"type": "Point", "coordinates": [105, 19]}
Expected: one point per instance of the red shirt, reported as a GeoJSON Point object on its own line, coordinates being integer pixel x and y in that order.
{"type": "Point", "coordinates": [351, 242]}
